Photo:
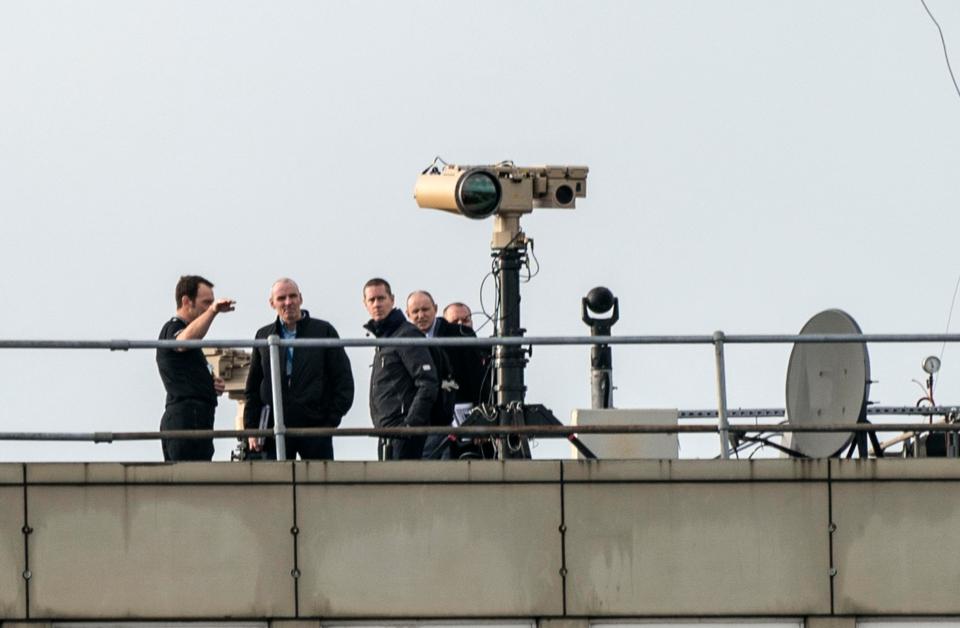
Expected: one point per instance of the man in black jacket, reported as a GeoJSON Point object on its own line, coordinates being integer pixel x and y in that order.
{"type": "Point", "coordinates": [317, 385]}
{"type": "Point", "coordinates": [462, 370]}
{"type": "Point", "coordinates": [403, 384]}
{"type": "Point", "coordinates": [458, 313]}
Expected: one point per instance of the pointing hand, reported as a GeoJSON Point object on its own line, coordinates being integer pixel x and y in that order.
{"type": "Point", "coordinates": [223, 305]}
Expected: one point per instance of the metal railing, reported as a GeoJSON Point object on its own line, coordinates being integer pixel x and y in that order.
{"type": "Point", "coordinates": [718, 339]}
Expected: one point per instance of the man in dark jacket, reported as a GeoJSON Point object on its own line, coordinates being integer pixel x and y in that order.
{"type": "Point", "coordinates": [461, 369]}
{"type": "Point", "coordinates": [403, 384]}
{"type": "Point", "coordinates": [317, 385]}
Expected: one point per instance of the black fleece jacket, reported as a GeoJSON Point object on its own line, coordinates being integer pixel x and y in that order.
{"type": "Point", "coordinates": [403, 384]}
{"type": "Point", "coordinates": [319, 391]}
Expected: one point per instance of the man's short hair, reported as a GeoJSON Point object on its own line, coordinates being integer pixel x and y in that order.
{"type": "Point", "coordinates": [284, 280]}
{"type": "Point", "coordinates": [377, 281]}
{"type": "Point", "coordinates": [424, 293]}
{"type": "Point", "coordinates": [456, 304]}
{"type": "Point", "coordinates": [188, 287]}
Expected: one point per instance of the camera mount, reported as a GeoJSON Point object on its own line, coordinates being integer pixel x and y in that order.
{"type": "Point", "coordinates": [506, 192]}
{"type": "Point", "coordinates": [598, 301]}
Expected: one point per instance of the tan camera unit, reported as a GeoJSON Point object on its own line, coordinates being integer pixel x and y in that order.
{"type": "Point", "coordinates": [521, 189]}
{"type": "Point", "coordinates": [503, 190]}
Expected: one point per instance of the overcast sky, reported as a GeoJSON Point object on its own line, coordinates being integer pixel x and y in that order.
{"type": "Point", "coordinates": [751, 164]}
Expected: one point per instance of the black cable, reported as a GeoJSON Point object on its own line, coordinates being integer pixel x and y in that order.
{"type": "Point", "coordinates": [761, 439]}
{"type": "Point", "coordinates": [953, 302]}
{"type": "Point", "coordinates": [943, 41]}
{"type": "Point", "coordinates": [495, 273]}
{"type": "Point", "coordinates": [496, 270]}
{"type": "Point", "coordinates": [492, 316]}
{"type": "Point", "coordinates": [766, 441]}
{"type": "Point", "coordinates": [497, 305]}
{"type": "Point", "coordinates": [487, 372]}
{"type": "Point", "coordinates": [509, 244]}
{"type": "Point", "coordinates": [497, 316]}
{"type": "Point", "coordinates": [533, 256]}
{"type": "Point", "coordinates": [432, 168]}
{"type": "Point", "coordinates": [742, 447]}
{"type": "Point", "coordinates": [483, 310]}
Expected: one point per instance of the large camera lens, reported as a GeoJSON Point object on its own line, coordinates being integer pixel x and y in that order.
{"type": "Point", "coordinates": [479, 194]}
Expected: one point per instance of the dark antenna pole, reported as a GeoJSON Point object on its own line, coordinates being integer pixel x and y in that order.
{"type": "Point", "coordinates": [509, 362]}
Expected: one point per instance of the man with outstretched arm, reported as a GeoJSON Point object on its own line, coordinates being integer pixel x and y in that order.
{"type": "Point", "coordinates": [403, 383]}
{"type": "Point", "coordinates": [192, 390]}
{"type": "Point", "coordinates": [317, 386]}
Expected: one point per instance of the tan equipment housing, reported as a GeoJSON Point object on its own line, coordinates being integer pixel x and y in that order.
{"type": "Point", "coordinates": [232, 366]}
{"type": "Point", "coordinates": [504, 190]}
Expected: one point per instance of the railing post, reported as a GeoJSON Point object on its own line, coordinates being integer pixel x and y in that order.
{"type": "Point", "coordinates": [718, 338]}
{"type": "Point", "coordinates": [279, 429]}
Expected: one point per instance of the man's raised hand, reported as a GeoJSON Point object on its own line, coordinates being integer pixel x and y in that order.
{"type": "Point", "coordinates": [223, 305]}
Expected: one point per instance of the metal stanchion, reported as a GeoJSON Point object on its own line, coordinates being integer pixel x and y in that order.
{"type": "Point", "coordinates": [279, 429]}
{"type": "Point", "coordinates": [718, 338]}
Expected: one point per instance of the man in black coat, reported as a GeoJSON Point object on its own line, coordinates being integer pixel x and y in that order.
{"type": "Point", "coordinates": [461, 370]}
{"type": "Point", "coordinates": [467, 363]}
{"type": "Point", "coordinates": [403, 383]}
{"type": "Point", "coordinates": [317, 386]}
{"type": "Point", "coordinates": [459, 313]}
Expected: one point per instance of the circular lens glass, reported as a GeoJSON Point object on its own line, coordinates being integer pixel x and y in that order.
{"type": "Point", "coordinates": [479, 195]}
{"type": "Point", "coordinates": [564, 195]}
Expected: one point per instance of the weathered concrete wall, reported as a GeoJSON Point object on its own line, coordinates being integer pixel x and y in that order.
{"type": "Point", "coordinates": [552, 541]}
{"type": "Point", "coordinates": [716, 541]}
{"type": "Point", "coordinates": [12, 583]}
{"type": "Point", "coordinates": [160, 541]}
{"type": "Point", "coordinates": [477, 545]}
{"type": "Point", "coordinates": [895, 546]}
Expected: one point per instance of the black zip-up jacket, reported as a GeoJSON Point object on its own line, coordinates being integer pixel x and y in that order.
{"type": "Point", "coordinates": [468, 363]}
{"type": "Point", "coordinates": [319, 391]}
{"type": "Point", "coordinates": [403, 384]}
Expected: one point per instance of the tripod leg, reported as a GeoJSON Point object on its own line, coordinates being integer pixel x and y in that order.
{"type": "Point", "coordinates": [440, 449]}
{"type": "Point", "coordinates": [515, 446]}
{"type": "Point", "coordinates": [875, 441]}
{"type": "Point", "coordinates": [537, 414]}
{"type": "Point", "coordinates": [583, 449]}
{"type": "Point", "coordinates": [851, 448]}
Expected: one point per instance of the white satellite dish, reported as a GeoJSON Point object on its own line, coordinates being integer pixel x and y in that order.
{"type": "Point", "coordinates": [827, 384]}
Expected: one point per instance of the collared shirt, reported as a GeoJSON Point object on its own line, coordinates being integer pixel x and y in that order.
{"type": "Point", "coordinates": [433, 329]}
{"type": "Point", "coordinates": [286, 333]}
